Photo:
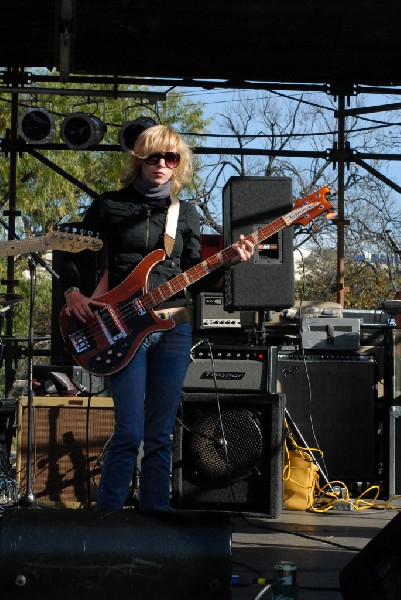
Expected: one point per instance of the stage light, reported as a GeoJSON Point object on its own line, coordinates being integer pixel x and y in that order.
{"type": "Point", "coordinates": [130, 131]}
{"type": "Point", "coordinates": [79, 131]}
{"type": "Point", "coordinates": [36, 125]}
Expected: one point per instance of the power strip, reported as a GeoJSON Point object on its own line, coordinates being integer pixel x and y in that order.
{"type": "Point", "coordinates": [342, 503]}
{"type": "Point", "coordinates": [345, 505]}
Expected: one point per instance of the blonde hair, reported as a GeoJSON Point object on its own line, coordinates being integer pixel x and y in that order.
{"type": "Point", "coordinates": [159, 138]}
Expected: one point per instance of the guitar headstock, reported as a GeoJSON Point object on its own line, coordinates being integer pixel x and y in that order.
{"type": "Point", "coordinates": [306, 209]}
{"type": "Point", "coordinates": [71, 241]}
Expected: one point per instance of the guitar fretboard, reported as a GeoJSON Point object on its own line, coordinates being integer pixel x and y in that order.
{"type": "Point", "coordinates": [180, 282]}
{"type": "Point", "coordinates": [13, 247]}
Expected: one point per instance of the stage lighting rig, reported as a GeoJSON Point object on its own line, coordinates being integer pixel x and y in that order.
{"type": "Point", "coordinates": [80, 130]}
{"type": "Point", "coordinates": [36, 125]}
{"type": "Point", "coordinates": [131, 129]}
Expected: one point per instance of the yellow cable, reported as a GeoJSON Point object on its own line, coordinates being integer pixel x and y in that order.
{"type": "Point", "coordinates": [326, 500]}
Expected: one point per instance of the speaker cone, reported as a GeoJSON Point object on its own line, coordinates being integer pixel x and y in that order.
{"type": "Point", "coordinates": [227, 447]}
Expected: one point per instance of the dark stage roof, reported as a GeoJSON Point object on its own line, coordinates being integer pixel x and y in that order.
{"type": "Point", "coordinates": [317, 41]}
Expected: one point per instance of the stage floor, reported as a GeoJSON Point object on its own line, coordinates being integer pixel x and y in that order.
{"type": "Point", "coordinates": [320, 544]}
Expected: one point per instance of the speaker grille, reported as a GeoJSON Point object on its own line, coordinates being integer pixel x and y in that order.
{"type": "Point", "coordinates": [245, 471]}
{"type": "Point", "coordinates": [230, 447]}
{"type": "Point", "coordinates": [62, 450]}
{"type": "Point", "coordinates": [333, 403]}
{"type": "Point", "coordinates": [267, 280]}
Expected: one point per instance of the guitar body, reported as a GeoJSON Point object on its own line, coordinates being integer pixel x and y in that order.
{"type": "Point", "coordinates": [108, 341]}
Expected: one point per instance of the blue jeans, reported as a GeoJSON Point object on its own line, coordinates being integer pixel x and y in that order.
{"type": "Point", "coordinates": [146, 395]}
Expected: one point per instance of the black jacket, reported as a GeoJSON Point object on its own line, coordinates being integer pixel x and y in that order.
{"type": "Point", "coordinates": [131, 226]}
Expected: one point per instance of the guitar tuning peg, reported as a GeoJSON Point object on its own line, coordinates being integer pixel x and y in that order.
{"type": "Point", "coordinates": [90, 233]}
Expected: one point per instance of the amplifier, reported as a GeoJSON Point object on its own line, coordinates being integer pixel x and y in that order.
{"type": "Point", "coordinates": [97, 386]}
{"type": "Point", "coordinates": [330, 334]}
{"type": "Point", "coordinates": [332, 400]}
{"type": "Point", "coordinates": [230, 368]}
{"type": "Point", "coordinates": [69, 442]}
{"type": "Point", "coordinates": [210, 313]}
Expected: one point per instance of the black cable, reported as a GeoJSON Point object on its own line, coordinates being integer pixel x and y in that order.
{"type": "Point", "coordinates": [300, 535]}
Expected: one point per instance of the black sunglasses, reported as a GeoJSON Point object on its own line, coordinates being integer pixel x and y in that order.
{"type": "Point", "coordinates": [172, 159]}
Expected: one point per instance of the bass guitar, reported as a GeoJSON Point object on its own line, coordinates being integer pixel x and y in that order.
{"type": "Point", "coordinates": [110, 339]}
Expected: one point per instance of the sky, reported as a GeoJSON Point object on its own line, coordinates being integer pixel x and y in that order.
{"type": "Point", "coordinates": [219, 100]}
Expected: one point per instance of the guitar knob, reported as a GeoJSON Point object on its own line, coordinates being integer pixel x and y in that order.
{"type": "Point", "coordinates": [109, 352]}
{"type": "Point", "coordinates": [98, 358]}
{"type": "Point", "coordinates": [119, 354]}
{"type": "Point", "coordinates": [108, 361]}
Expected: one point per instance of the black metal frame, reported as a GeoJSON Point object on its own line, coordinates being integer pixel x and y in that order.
{"type": "Point", "coordinates": [17, 81]}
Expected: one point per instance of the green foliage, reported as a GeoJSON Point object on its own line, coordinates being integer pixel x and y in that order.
{"type": "Point", "coordinates": [47, 196]}
{"type": "Point", "coordinates": [369, 283]}
{"type": "Point", "coordinates": [42, 305]}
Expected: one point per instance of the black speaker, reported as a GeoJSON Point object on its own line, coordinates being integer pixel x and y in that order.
{"type": "Point", "coordinates": [229, 455]}
{"type": "Point", "coordinates": [375, 573]}
{"type": "Point", "coordinates": [88, 554]}
{"type": "Point", "coordinates": [394, 466]}
{"type": "Point", "coordinates": [267, 280]}
{"type": "Point", "coordinates": [332, 399]}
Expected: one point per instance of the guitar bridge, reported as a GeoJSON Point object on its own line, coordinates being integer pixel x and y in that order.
{"type": "Point", "coordinates": [111, 326]}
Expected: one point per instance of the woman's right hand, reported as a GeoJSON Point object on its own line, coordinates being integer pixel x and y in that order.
{"type": "Point", "coordinates": [80, 306]}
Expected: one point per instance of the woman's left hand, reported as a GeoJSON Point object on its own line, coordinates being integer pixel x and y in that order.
{"type": "Point", "coordinates": [244, 250]}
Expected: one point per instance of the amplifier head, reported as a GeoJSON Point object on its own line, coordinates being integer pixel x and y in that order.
{"type": "Point", "coordinates": [232, 368]}
{"type": "Point", "coordinates": [210, 313]}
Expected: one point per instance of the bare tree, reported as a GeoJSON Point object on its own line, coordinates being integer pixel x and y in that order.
{"type": "Point", "coordinates": [299, 124]}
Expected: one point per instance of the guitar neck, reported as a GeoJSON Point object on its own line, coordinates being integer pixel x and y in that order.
{"type": "Point", "coordinates": [180, 282]}
{"type": "Point", "coordinates": [13, 247]}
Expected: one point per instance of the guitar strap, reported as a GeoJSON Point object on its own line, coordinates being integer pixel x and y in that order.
{"type": "Point", "coordinates": [171, 225]}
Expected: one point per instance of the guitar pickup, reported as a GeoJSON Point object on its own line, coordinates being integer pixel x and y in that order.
{"type": "Point", "coordinates": [82, 340]}
{"type": "Point", "coordinates": [111, 326]}
{"type": "Point", "coordinates": [138, 306]}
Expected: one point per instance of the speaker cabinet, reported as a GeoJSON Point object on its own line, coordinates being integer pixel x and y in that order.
{"type": "Point", "coordinates": [229, 456]}
{"type": "Point", "coordinates": [68, 444]}
{"type": "Point", "coordinates": [375, 572]}
{"type": "Point", "coordinates": [392, 377]}
{"type": "Point", "coordinates": [91, 554]}
{"type": "Point", "coordinates": [394, 468]}
{"type": "Point", "coordinates": [332, 400]}
{"type": "Point", "coordinates": [393, 394]}
{"type": "Point", "coordinates": [267, 280]}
